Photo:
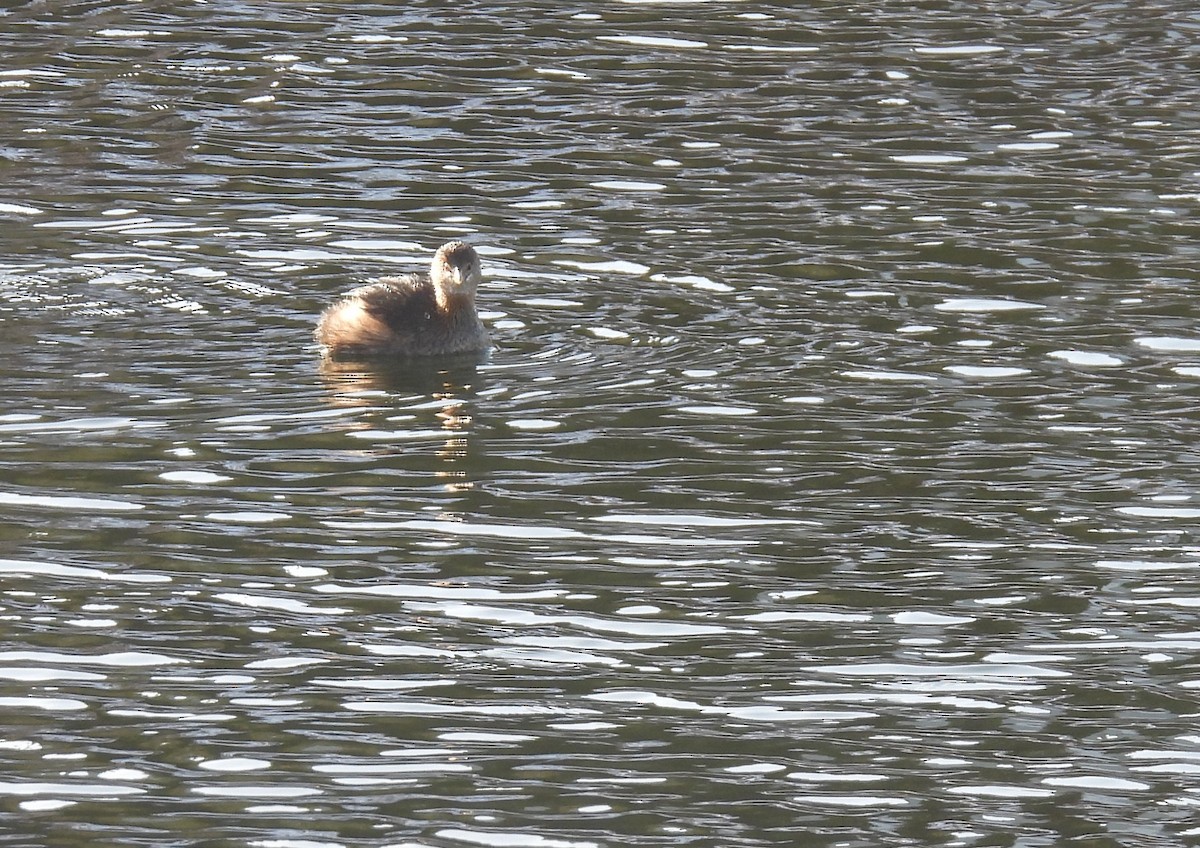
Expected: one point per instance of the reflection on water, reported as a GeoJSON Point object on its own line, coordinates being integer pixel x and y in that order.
{"type": "Point", "coordinates": [830, 482]}
{"type": "Point", "coordinates": [443, 388]}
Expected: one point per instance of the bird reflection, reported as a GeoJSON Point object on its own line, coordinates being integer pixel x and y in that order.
{"type": "Point", "coordinates": [353, 383]}
{"type": "Point", "coordinates": [450, 386]}
{"type": "Point", "coordinates": [456, 420]}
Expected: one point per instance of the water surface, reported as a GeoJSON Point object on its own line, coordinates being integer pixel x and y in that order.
{"type": "Point", "coordinates": [831, 481]}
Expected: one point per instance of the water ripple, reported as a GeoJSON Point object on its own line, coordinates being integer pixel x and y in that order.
{"type": "Point", "coordinates": [830, 474]}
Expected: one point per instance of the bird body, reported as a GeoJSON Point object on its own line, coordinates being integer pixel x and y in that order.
{"type": "Point", "coordinates": [411, 315]}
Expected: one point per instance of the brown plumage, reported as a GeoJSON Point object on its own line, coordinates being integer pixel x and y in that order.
{"type": "Point", "coordinates": [412, 315]}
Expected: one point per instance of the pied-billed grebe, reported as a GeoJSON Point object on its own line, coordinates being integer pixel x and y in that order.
{"type": "Point", "coordinates": [412, 315]}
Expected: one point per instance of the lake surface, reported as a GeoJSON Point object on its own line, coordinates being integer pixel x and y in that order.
{"type": "Point", "coordinates": [833, 480]}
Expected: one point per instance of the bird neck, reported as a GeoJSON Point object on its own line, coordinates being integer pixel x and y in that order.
{"type": "Point", "coordinates": [452, 303]}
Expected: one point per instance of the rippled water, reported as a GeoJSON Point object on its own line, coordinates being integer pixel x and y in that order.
{"type": "Point", "coordinates": [832, 481]}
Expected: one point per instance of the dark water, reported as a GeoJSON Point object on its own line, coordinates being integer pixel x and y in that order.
{"type": "Point", "coordinates": [833, 480]}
